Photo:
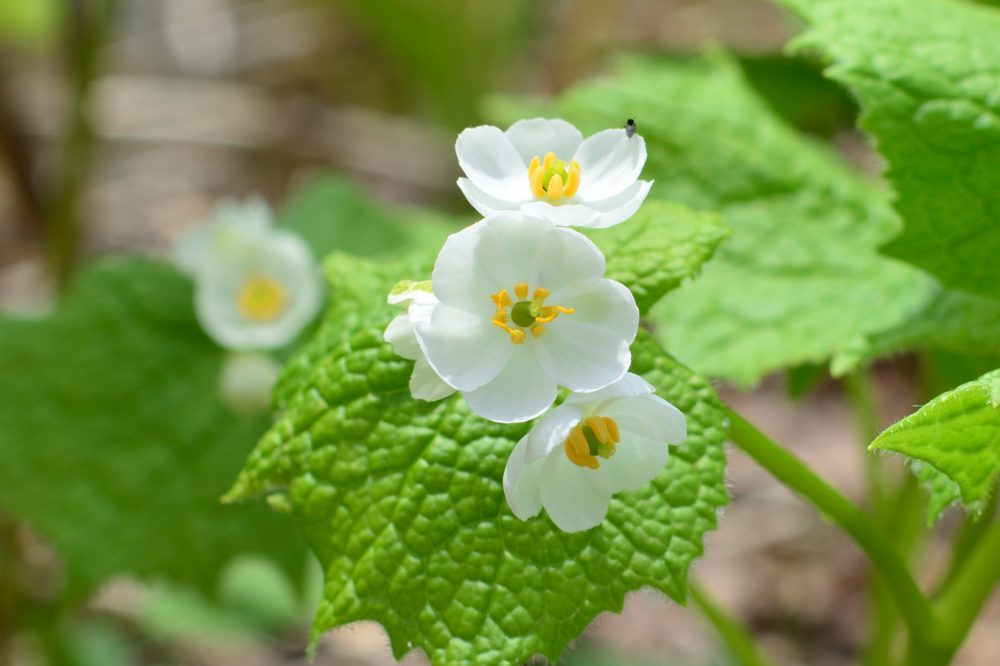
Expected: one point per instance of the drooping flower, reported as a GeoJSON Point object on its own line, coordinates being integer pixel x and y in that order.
{"type": "Point", "coordinates": [419, 301]}
{"type": "Point", "coordinates": [246, 380]}
{"type": "Point", "coordinates": [523, 306]}
{"type": "Point", "coordinates": [547, 169]}
{"type": "Point", "coordinates": [256, 286]}
{"type": "Point", "coordinates": [589, 448]}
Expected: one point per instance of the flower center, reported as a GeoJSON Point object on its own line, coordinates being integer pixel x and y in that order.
{"type": "Point", "coordinates": [551, 178]}
{"type": "Point", "coordinates": [593, 437]}
{"type": "Point", "coordinates": [515, 317]}
{"type": "Point", "coordinates": [261, 298]}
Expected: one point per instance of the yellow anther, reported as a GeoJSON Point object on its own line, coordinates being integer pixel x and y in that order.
{"type": "Point", "coordinates": [541, 294]}
{"type": "Point", "coordinates": [521, 290]}
{"type": "Point", "coordinates": [612, 427]}
{"type": "Point", "coordinates": [550, 157]}
{"type": "Point", "coordinates": [572, 180]}
{"type": "Point", "coordinates": [500, 317]}
{"type": "Point", "coordinates": [535, 178]}
{"type": "Point", "coordinates": [537, 331]}
{"type": "Point", "coordinates": [555, 190]}
{"type": "Point", "coordinates": [578, 450]}
{"type": "Point", "coordinates": [535, 164]}
{"type": "Point", "coordinates": [518, 318]}
{"type": "Point", "coordinates": [516, 336]}
{"type": "Point", "coordinates": [600, 429]}
{"type": "Point", "coordinates": [261, 299]}
{"type": "Point", "coordinates": [501, 299]}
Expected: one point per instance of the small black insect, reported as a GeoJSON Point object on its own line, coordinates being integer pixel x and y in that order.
{"type": "Point", "coordinates": [630, 128]}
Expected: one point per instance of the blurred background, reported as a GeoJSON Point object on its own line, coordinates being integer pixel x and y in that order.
{"type": "Point", "coordinates": [123, 122]}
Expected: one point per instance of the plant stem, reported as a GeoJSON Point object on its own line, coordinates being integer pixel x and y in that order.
{"type": "Point", "coordinates": [972, 532]}
{"type": "Point", "coordinates": [87, 22]}
{"type": "Point", "coordinates": [858, 388]}
{"type": "Point", "coordinates": [784, 466]}
{"type": "Point", "coordinates": [738, 640]}
{"type": "Point", "coordinates": [959, 603]}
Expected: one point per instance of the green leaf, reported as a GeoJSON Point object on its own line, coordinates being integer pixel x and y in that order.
{"type": "Point", "coordinates": [942, 492]}
{"type": "Point", "coordinates": [926, 74]}
{"type": "Point", "coordinates": [949, 320]}
{"type": "Point", "coordinates": [800, 275]}
{"type": "Point", "coordinates": [402, 501]}
{"type": "Point", "coordinates": [334, 215]}
{"type": "Point", "coordinates": [114, 444]}
{"type": "Point", "coordinates": [662, 246]}
{"type": "Point", "coordinates": [958, 433]}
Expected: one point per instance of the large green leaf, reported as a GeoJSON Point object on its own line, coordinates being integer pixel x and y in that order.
{"type": "Point", "coordinates": [800, 276]}
{"type": "Point", "coordinates": [114, 444]}
{"type": "Point", "coordinates": [926, 74]}
{"type": "Point", "coordinates": [661, 246]}
{"type": "Point", "coordinates": [958, 433]}
{"type": "Point", "coordinates": [402, 501]}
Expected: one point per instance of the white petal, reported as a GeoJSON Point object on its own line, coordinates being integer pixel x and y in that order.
{"type": "Point", "coordinates": [605, 304]}
{"type": "Point", "coordinates": [425, 383]}
{"type": "Point", "coordinates": [636, 462]}
{"type": "Point", "coordinates": [566, 259]}
{"type": "Point", "coordinates": [564, 215]}
{"type": "Point", "coordinates": [620, 207]}
{"type": "Point", "coordinates": [519, 393]}
{"type": "Point", "coordinates": [521, 483]}
{"type": "Point", "coordinates": [609, 161]}
{"type": "Point", "coordinates": [489, 159]}
{"type": "Point", "coordinates": [484, 204]}
{"type": "Point", "coordinates": [629, 386]}
{"type": "Point", "coordinates": [399, 333]}
{"type": "Point", "coordinates": [415, 294]}
{"type": "Point", "coordinates": [580, 356]}
{"type": "Point", "coordinates": [551, 430]}
{"type": "Point", "coordinates": [648, 416]}
{"type": "Point", "coordinates": [576, 498]}
{"type": "Point", "coordinates": [246, 380]}
{"type": "Point", "coordinates": [537, 136]}
{"type": "Point", "coordinates": [491, 255]}
{"type": "Point", "coordinates": [465, 350]}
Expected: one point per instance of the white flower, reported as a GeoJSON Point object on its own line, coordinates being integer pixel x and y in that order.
{"type": "Point", "coordinates": [259, 292]}
{"type": "Point", "coordinates": [419, 302]}
{"type": "Point", "coordinates": [545, 168]}
{"type": "Point", "coordinates": [589, 448]}
{"type": "Point", "coordinates": [523, 306]}
{"type": "Point", "coordinates": [246, 380]}
{"type": "Point", "coordinates": [232, 222]}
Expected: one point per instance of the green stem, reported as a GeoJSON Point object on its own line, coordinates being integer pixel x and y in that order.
{"type": "Point", "coordinates": [738, 640]}
{"type": "Point", "coordinates": [87, 22]}
{"type": "Point", "coordinates": [972, 532]}
{"type": "Point", "coordinates": [861, 398]}
{"type": "Point", "coordinates": [958, 605]}
{"type": "Point", "coordinates": [784, 466]}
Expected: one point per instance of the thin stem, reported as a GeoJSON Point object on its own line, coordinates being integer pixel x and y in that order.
{"type": "Point", "coordinates": [861, 397]}
{"type": "Point", "coordinates": [972, 532]}
{"type": "Point", "coordinates": [784, 466]}
{"type": "Point", "coordinates": [959, 603]}
{"type": "Point", "coordinates": [738, 640]}
{"type": "Point", "coordinates": [87, 23]}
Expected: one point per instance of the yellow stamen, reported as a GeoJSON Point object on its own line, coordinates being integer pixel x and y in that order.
{"type": "Point", "coordinates": [537, 331]}
{"type": "Point", "coordinates": [261, 299]}
{"type": "Point", "coordinates": [535, 179]}
{"type": "Point", "coordinates": [612, 427]}
{"type": "Point", "coordinates": [555, 190]}
{"type": "Point", "coordinates": [541, 294]}
{"type": "Point", "coordinates": [521, 290]}
{"type": "Point", "coordinates": [535, 164]}
{"type": "Point", "coordinates": [599, 427]}
{"type": "Point", "coordinates": [594, 437]}
{"type": "Point", "coordinates": [550, 157]}
{"type": "Point", "coordinates": [573, 180]}
{"type": "Point", "coordinates": [518, 318]}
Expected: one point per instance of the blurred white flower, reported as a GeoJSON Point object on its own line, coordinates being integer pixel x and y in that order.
{"type": "Point", "coordinates": [232, 222]}
{"type": "Point", "coordinates": [589, 448]}
{"type": "Point", "coordinates": [547, 169]}
{"type": "Point", "coordinates": [521, 307]}
{"type": "Point", "coordinates": [246, 380]}
{"type": "Point", "coordinates": [419, 301]}
{"type": "Point", "coordinates": [256, 286]}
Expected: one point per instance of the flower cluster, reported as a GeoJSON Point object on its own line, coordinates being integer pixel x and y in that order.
{"type": "Point", "coordinates": [256, 287]}
{"type": "Point", "coordinates": [518, 306]}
